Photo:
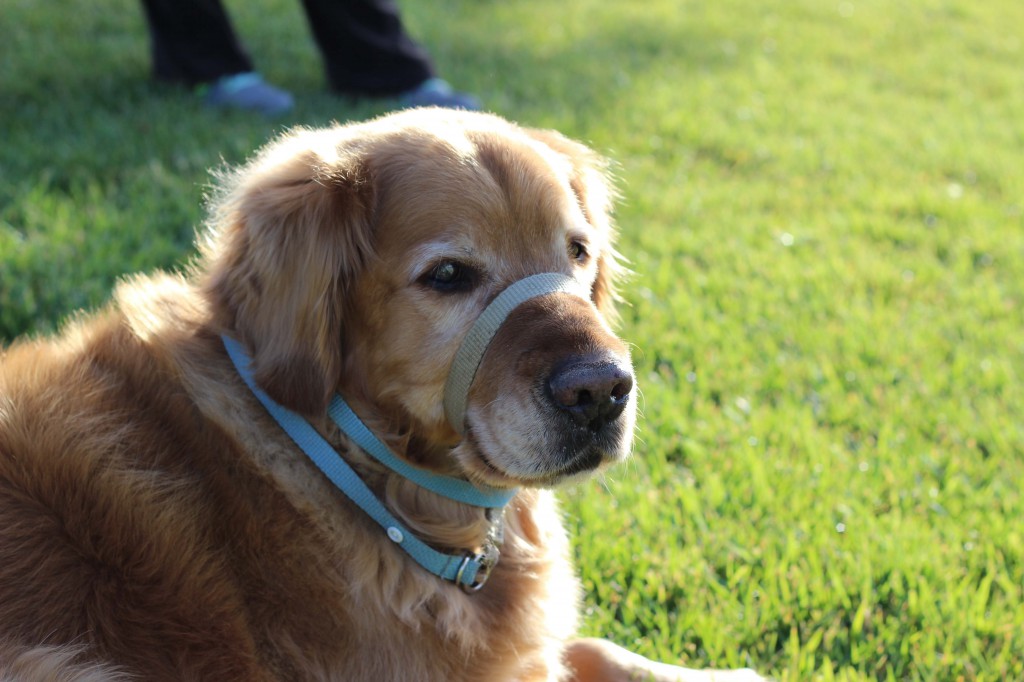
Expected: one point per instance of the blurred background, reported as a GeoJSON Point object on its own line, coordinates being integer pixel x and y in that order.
{"type": "Point", "coordinates": [822, 209]}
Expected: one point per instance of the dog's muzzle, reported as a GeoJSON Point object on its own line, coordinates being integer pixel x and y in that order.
{"type": "Point", "coordinates": [471, 352]}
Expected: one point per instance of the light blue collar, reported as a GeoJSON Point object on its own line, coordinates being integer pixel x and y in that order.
{"type": "Point", "coordinates": [469, 571]}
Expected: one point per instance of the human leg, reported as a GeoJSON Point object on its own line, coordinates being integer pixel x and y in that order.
{"type": "Point", "coordinates": [193, 43]}
{"type": "Point", "coordinates": [365, 47]}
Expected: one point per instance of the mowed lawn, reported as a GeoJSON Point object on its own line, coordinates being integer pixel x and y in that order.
{"type": "Point", "coordinates": [822, 207]}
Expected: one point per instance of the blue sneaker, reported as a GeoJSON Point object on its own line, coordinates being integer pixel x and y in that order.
{"type": "Point", "coordinates": [436, 92]}
{"type": "Point", "coordinates": [250, 92]}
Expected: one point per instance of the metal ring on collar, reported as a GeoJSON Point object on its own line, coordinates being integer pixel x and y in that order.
{"type": "Point", "coordinates": [471, 352]}
{"type": "Point", "coordinates": [479, 580]}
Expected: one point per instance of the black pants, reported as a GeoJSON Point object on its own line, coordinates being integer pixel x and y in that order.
{"type": "Point", "coordinates": [364, 46]}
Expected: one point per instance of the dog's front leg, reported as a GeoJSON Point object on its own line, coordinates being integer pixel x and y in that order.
{"type": "Point", "coordinates": [598, 660]}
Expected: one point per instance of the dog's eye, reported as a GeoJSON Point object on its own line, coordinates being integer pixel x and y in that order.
{"type": "Point", "coordinates": [448, 276]}
{"type": "Point", "coordinates": [577, 251]}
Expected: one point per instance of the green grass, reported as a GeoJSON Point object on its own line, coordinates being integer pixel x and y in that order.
{"type": "Point", "coordinates": [823, 209]}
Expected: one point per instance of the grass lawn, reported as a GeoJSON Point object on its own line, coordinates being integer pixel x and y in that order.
{"type": "Point", "coordinates": [823, 210]}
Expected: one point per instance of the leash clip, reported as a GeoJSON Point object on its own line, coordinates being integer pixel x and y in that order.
{"type": "Point", "coordinates": [485, 560]}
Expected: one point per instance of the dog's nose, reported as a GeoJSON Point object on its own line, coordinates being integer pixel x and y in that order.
{"type": "Point", "coordinates": [594, 393]}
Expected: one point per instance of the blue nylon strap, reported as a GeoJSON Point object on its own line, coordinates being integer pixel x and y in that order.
{"type": "Point", "coordinates": [447, 566]}
{"type": "Point", "coordinates": [446, 486]}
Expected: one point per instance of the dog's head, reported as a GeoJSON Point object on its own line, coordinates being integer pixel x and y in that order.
{"type": "Point", "coordinates": [355, 259]}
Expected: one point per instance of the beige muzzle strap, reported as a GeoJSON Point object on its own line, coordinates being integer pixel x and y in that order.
{"type": "Point", "coordinates": [471, 352]}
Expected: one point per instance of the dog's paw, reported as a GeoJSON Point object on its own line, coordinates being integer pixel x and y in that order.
{"type": "Point", "coordinates": [598, 660]}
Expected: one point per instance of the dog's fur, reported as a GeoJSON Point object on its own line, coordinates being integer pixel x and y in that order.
{"type": "Point", "coordinates": [156, 524]}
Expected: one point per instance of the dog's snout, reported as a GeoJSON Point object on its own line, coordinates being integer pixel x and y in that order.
{"type": "Point", "coordinates": [593, 393]}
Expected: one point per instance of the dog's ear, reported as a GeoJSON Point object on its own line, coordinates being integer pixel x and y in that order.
{"type": "Point", "coordinates": [288, 233]}
{"type": "Point", "coordinates": [591, 181]}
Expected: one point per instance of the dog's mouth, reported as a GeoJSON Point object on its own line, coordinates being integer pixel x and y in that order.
{"type": "Point", "coordinates": [561, 462]}
{"type": "Point", "coordinates": [584, 463]}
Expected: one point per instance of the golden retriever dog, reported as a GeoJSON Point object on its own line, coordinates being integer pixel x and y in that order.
{"type": "Point", "coordinates": [157, 520]}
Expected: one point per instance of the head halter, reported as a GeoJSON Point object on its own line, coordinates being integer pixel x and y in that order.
{"type": "Point", "coordinates": [471, 352]}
